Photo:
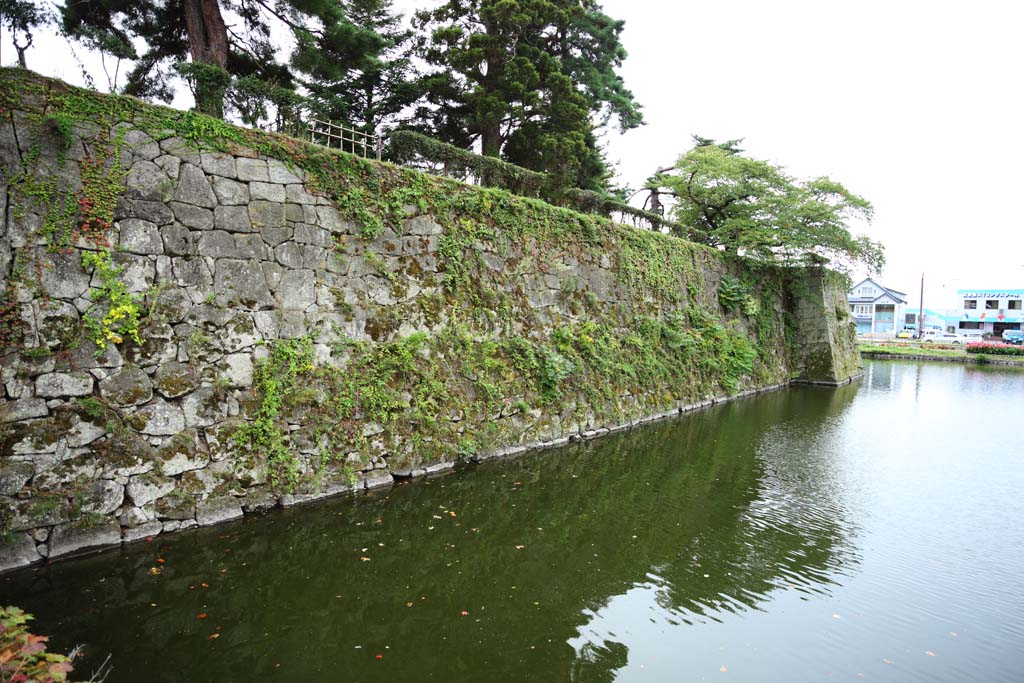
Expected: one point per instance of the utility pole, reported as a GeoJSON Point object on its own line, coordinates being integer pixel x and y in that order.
{"type": "Point", "coordinates": [920, 312]}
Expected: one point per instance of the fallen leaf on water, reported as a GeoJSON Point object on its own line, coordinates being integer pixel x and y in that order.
{"type": "Point", "coordinates": [929, 653]}
{"type": "Point", "coordinates": [452, 513]}
{"type": "Point", "coordinates": [213, 636]}
{"type": "Point", "coordinates": [205, 585]}
{"type": "Point", "coordinates": [520, 547]}
{"type": "Point", "coordinates": [155, 571]}
{"type": "Point", "coordinates": [160, 560]}
{"type": "Point", "coordinates": [378, 656]}
{"type": "Point", "coordinates": [836, 616]}
{"type": "Point", "coordinates": [223, 571]}
{"type": "Point", "coordinates": [464, 613]}
{"type": "Point", "coordinates": [201, 615]}
{"type": "Point", "coordinates": [438, 517]}
{"type": "Point", "coordinates": [364, 559]}
{"type": "Point", "coordinates": [408, 604]}
{"type": "Point", "coordinates": [723, 669]}
{"type": "Point", "coordinates": [887, 661]}
{"type": "Point", "coordinates": [191, 588]}
{"type": "Point", "coordinates": [953, 633]}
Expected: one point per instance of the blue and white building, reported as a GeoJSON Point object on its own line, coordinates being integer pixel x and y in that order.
{"type": "Point", "coordinates": [990, 311]}
{"type": "Point", "coordinates": [876, 309]}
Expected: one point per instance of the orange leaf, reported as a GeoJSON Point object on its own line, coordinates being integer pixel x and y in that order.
{"type": "Point", "coordinates": [201, 615]}
{"type": "Point", "coordinates": [723, 669]}
{"type": "Point", "coordinates": [212, 636]}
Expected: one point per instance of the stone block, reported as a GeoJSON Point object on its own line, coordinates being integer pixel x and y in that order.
{"type": "Point", "coordinates": [230, 192]}
{"type": "Point", "coordinates": [203, 408]}
{"type": "Point", "coordinates": [252, 170]}
{"type": "Point", "coordinates": [266, 214]}
{"type": "Point", "coordinates": [174, 379]}
{"type": "Point", "coordinates": [147, 181]}
{"type": "Point", "coordinates": [159, 418]}
{"type": "Point", "coordinates": [58, 384]}
{"type": "Point", "coordinates": [177, 240]}
{"type": "Point", "coordinates": [218, 164]}
{"type": "Point", "coordinates": [240, 281]}
{"type": "Point", "coordinates": [280, 173]}
{"type": "Point", "coordinates": [18, 550]}
{"type": "Point", "coordinates": [145, 489]}
{"type": "Point", "coordinates": [232, 218]}
{"type": "Point", "coordinates": [62, 275]}
{"type": "Point", "coordinates": [139, 236]}
{"type": "Point", "coordinates": [14, 475]}
{"type": "Point", "coordinates": [194, 217]}
{"type": "Point", "coordinates": [101, 497]}
{"type": "Point", "coordinates": [267, 191]}
{"type": "Point", "coordinates": [74, 536]}
{"type": "Point", "coordinates": [217, 510]}
{"type": "Point", "coordinates": [129, 387]}
{"type": "Point", "coordinates": [296, 290]}
{"type": "Point", "coordinates": [155, 212]}
{"type": "Point", "coordinates": [216, 244]}
{"type": "Point", "coordinates": [194, 188]}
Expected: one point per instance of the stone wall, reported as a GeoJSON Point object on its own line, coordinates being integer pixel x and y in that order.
{"type": "Point", "coordinates": [199, 321]}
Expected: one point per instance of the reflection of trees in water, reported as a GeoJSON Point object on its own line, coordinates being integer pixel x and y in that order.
{"type": "Point", "coordinates": [595, 520]}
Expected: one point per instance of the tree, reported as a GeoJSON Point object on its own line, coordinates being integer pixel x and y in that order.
{"type": "Point", "coordinates": [22, 17]}
{"type": "Point", "coordinates": [378, 91]}
{"type": "Point", "coordinates": [221, 55]}
{"type": "Point", "coordinates": [751, 207]}
{"type": "Point", "coordinates": [525, 78]}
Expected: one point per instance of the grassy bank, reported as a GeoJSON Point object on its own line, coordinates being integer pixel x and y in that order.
{"type": "Point", "coordinates": [902, 352]}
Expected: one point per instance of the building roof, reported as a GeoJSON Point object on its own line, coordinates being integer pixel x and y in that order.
{"type": "Point", "coordinates": [886, 291]}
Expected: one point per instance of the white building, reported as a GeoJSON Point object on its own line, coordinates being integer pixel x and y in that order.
{"type": "Point", "coordinates": [876, 309]}
{"type": "Point", "coordinates": [990, 311]}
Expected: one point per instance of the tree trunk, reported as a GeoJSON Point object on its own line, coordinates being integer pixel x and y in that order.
{"type": "Point", "coordinates": [208, 44]}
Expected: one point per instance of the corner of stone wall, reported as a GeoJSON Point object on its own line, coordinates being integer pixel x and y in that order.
{"type": "Point", "coordinates": [824, 340]}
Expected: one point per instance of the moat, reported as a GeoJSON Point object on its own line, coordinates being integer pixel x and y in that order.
{"type": "Point", "coordinates": [804, 534]}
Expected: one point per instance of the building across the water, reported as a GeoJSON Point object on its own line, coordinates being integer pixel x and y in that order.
{"type": "Point", "coordinates": [990, 311]}
{"type": "Point", "coordinates": [876, 309]}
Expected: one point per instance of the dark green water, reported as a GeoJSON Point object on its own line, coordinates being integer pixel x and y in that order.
{"type": "Point", "coordinates": [809, 534]}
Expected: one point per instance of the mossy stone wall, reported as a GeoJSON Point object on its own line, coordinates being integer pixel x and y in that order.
{"type": "Point", "coordinates": [198, 320]}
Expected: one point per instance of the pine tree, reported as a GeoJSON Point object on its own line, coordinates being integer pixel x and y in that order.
{"type": "Point", "coordinates": [529, 79]}
{"type": "Point", "coordinates": [377, 93]}
{"type": "Point", "coordinates": [22, 17]}
{"type": "Point", "coordinates": [221, 55]}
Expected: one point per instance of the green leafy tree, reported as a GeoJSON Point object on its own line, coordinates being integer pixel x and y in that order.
{"type": "Point", "coordinates": [22, 18]}
{"type": "Point", "coordinates": [754, 208]}
{"type": "Point", "coordinates": [382, 87]}
{"type": "Point", "coordinates": [529, 79]}
{"type": "Point", "coordinates": [237, 61]}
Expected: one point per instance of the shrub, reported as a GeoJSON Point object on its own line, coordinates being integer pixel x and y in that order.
{"type": "Point", "coordinates": [993, 349]}
{"type": "Point", "coordinates": [23, 655]}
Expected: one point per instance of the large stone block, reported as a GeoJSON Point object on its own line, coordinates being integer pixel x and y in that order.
{"type": "Point", "coordinates": [195, 217]}
{"type": "Point", "coordinates": [194, 188]}
{"type": "Point", "coordinates": [241, 282]}
{"type": "Point", "coordinates": [139, 236]}
{"type": "Point", "coordinates": [18, 550]}
{"type": "Point", "coordinates": [159, 418]}
{"type": "Point", "coordinates": [217, 510]}
{"type": "Point", "coordinates": [129, 387]}
{"type": "Point", "coordinates": [264, 214]}
{"type": "Point", "coordinates": [75, 536]}
{"type": "Point", "coordinates": [230, 192]}
{"type": "Point", "coordinates": [57, 384]}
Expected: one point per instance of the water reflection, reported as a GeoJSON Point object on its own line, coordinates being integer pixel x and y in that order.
{"type": "Point", "coordinates": [796, 535]}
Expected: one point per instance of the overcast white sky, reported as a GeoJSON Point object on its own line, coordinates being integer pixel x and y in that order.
{"type": "Point", "coordinates": [915, 105]}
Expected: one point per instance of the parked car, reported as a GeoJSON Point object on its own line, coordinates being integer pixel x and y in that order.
{"type": "Point", "coordinates": [933, 336]}
{"type": "Point", "coordinates": [905, 334]}
{"type": "Point", "coordinates": [1013, 337]}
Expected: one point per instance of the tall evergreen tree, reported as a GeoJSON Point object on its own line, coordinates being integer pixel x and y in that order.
{"type": "Point", "coordinates": [380, 89]}
{"type": "Point", "coordinates": [527, 78]}
{"type": "Point", "coordinates": [195, 30]}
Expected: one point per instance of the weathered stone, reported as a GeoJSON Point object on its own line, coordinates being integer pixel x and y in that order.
{"type": "Point", "coordinates": [83, 432]}
{"type": "Point", "coordinates": [308, 234]}
{"type": "Point", "coordinates": [194, 188]}
{"type": "Point", "coordinates": [58, 324]}
{"type": "Point", "coordinates": [191, 272]}
{"type": "Point", "coordinates": [145, 489]}
{"type": "Point", "coordinates": [203, 408]}
{"type": "Point", "coordinates": [297, 195]}
{"type": "Point", "coordinates": [148, 182]}
{"type": "Point", "coordinates": [141, 145]}
{"type": "Point", "coordinates": [296, 290]}
{"type": "Point", "coordinates": [216, 510]}
{"type": "Point", "coordinates": [14, 475]}
{"type": "Point", "coordinates": [57, 384]}
{"type": "Point", "coordinates": [330, 219]}
{"type": "Point", "coordinates": [141, 532]}
{"type": "Point", "coordinates": [252, 169]}
{"type": "Point", "coordinates": [159, 418]}
{"type": "Point", "coordinates": [138, 272]}
{"type": "Point", "coordinates": [266, 214]}
{"type": "Point", "coordinates": [216, 244]}
{"type": "Point", "coordinates": [140, 237]}
{"type": "Point", "coordinates": [238, 369]}
{"type": "Point", "coordinates": [181, 149]}
{"type": "Point", "coordinates": [23, 409]}
{"type": "Point", "coordinates": [218, 164]}
{"type": "Point", "coordinates": [191, 216]}
{"type": "Point", "coordinates": [101, 497]}
{"type": "Point", "coordinates": [124, 455]}
{"type": "Point", "coordinates": [75, 536]}
{"type": "Point", "coordinates": [154, 212]}
{"type": "Point", "coordinates": [267, 191]}
{"type": "Point", "coordinates": [238, 281]}
{"type": "Point", "coordinates": [176, 507]}
{"type": "Point", "coordinates": [280, 173]}
{"type": "Point", "coordinates": [169, 164]}
{"type": "Point", "coordinates": [174, 379]}
{"type": "Point", "coordinates": [183, 453]}
{"type": "Point", "coordinates": [177, 240]}
{"type": "Point", "coordinates": [129, 387]}
{"type": "Point", "coordinates": [422, 225]}
{"type": "Point", "coordinates": [258, 500]}
{"type": "Point", "coordinates": [230, 192]}
{"type": "Point", "coordinates": [17, 550]}
{"type": "Point", "coordinates": [62, 275]}
{"type": "Point", "coordinates": [232, 218]}
{"type": "Point", "coordinates": [249, 246]}
{"type": "Point", "coordinates": [275, 236]}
